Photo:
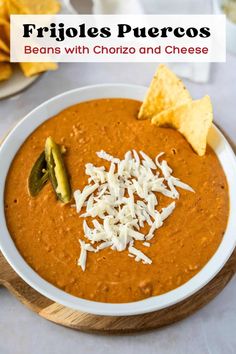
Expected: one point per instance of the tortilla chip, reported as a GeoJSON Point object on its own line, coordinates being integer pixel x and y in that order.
{"type": "Point", "coordinates": [193, 120]}
{"type": "Point", "coordinates": [4, 56]}
{"type": "Point", "coordinates": [166, 91]}
{"type": "Point", "coordinates": [5, 71]}
{"type": "Point", "coordinates": [3, 10]}
{"type": "Point", "coordinates": [4, 47]}
{"type": "Point", "coordinates": [5, 27]}
{"type": "Point", "coordinates": [5, 35]}
{"type": "Point", "coordinates": [30, 69]}
{"type": "Point", "coordinates": [39, 7]}
{"type": "Point", "coordinates": [12, 9]}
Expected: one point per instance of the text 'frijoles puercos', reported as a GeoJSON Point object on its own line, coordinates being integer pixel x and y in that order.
{"type": "Point", "coordinates": [60, 32]}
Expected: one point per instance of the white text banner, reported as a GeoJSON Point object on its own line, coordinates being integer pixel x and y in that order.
{"type": "Point", "coordinates": [118, 38]}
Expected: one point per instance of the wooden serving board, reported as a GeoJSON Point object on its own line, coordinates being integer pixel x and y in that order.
{"type": "Point", "coordinates": [112, 324]}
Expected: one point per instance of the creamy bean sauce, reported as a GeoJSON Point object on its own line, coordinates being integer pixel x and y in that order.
{"type": "Point", "coordinates": [46, 232]}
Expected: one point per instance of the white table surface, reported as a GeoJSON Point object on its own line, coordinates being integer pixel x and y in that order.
{"type": "Point", "coordinates": [211, 330]}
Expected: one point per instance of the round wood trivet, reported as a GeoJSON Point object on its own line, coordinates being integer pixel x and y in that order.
{"type": "Point", "coordinates": [111, 324]}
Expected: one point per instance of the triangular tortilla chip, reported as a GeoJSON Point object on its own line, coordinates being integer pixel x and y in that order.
{"type": "Point", "coordinates": [192, 119]}
{"type": "Point", "coordinates": [30, 69]}
{"type": "Point", "coordinates": [5, 71]}
{"type": "Point", "coordinates": [37, 7]}
{"type": "Point", "coordinates": [166, 91]}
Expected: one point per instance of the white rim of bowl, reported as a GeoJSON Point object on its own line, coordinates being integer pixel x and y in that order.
{"type": "Point", "coordinates": [10, 252]}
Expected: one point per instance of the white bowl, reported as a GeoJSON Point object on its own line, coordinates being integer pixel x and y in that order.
{"type": "Point", "coordinates": [51, 107]}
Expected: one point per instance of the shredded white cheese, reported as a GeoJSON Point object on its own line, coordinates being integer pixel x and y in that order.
{"type": "Point", "coordinates": [122, 200]}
